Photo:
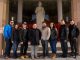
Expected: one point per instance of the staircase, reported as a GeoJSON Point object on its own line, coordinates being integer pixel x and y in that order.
{"type": "Point", "coordinates": [40, 48]}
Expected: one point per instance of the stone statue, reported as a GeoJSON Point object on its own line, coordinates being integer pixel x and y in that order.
{"type": "Point", "coordinates": [40, 14]}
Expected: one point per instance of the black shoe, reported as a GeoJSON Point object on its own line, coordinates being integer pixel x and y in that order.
{"type": "Point", "coordinates": [15, 57]}
{"type": "Point", "coordinates": [64, 56]}
{"type": "Point", "coordinates": [42, 57]}
{"type": "Point", "coordinates": [74, 57]}
{"type": "Point", "coordinates": [37, 57]}
{"type": "Point", "coordinates": [6, 57]}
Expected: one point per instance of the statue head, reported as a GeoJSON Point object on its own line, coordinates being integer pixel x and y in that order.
{"type": "Point", "coordinates": [40, 4]}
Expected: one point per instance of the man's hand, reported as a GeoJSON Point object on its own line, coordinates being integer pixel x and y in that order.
{"type": "Point", "coordinates": [12, 41]}
{"type": "Point", "coordinates": [21, 43]}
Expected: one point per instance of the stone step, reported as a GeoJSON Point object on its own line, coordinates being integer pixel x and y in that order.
{"type": "Point", "coordinates": [40, 46]}
{"type": "Point", "coordinates": [58, 45]}
{"type": "Point", "coordinates": [59, 50]}
{"type": "Point", "coordinates": [40, 51]}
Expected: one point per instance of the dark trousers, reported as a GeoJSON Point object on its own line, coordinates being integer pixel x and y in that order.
{"type": "Point", "coordinates": [53, 45]}
{"type": "Point", "coordinates": [24, 47]}
{"type": "Point", "coordinates": [64, 47]}
{"type": "Point", "coordinates": [15, 46]}
{"type": "Point", "coordinates": [73, 46]}
{"type": "Point", "coordinates": [8, 47]}
{"type": "Point", "coordinates": [45, 47]}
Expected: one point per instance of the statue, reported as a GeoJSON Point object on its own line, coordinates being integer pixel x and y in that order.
{"type": "Point", "coordinates": [40, 14]}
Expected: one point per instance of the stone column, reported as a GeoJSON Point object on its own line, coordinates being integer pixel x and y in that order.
{"type": "Point", "coordinates": [20, 11]}
{"type": "Point", "coordinates": [75, 11]}
{"type": "Point", "coordinates": [3, 15]}
{"type": "Point", "coordinates": [59, 8]}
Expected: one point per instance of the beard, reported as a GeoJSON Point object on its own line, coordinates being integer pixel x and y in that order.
{"type": "Point", "coordinates": [43, 27]}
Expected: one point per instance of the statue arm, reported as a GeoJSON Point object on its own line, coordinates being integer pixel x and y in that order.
{"type": "Point", "coordinates": [36, 10]}
{"type": "Point", "coordinates": [43, 11]}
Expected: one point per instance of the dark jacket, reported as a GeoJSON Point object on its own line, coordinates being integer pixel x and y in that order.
{"type": "Point", "coordinates": [24, 34]}
{"type": "Point", "coordinates": [70, 29]}
{"type": "Point", "coordinates": [73, 31]}
{"type": "Point", "coordinates": [54, 33]}
{"type": "Point", "coordinates": [63, 32]}
{"type": "Point", "coordinates": [16, 35]}
{"type": "Point", "coordinates": [35, 36]}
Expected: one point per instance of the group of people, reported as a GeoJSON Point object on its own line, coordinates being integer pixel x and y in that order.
{"type": "Point", "coordinates": [14, 36]}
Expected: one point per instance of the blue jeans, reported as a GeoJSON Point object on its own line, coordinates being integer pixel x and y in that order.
{"type": "Point", "coordinates": [53, 45]}
{"type": "Point", "coordinates": [8, 47]}
{"type": "Point", "coordinates": [15, 46]}
{"type": "Point", "coordinates": [45, 47]}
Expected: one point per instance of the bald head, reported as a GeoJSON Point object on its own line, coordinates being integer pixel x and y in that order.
{"type": "Point", "coordinates": [62, 22]}
{"type": "Point", "coordinates": [34, 26]}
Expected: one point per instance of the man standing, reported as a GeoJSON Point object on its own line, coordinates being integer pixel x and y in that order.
{"type": "Point", "coordinates": [63, 38]}
{"type": "Point", "coordinates": [24, 40]}
{"type": "Point", "coordinates": [44, 39]}
{"type": "Point", "coordinates": [73, 35]}
{"type": "Point", "coordinates": [35, 37]}
{"type": "Point", "coordinates": [8, 35]}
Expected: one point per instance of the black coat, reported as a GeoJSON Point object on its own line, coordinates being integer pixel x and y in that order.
{"type": "Point", "coordinates": [16, 35]}
{"type": "Point", "coordinates": [54, 33]}
{"type": "Point", "coordinates": [35, 36]}
{"type": "Point", "coordinates": [63, 32]}
{"type": "Point", "coordinates": [24, 35]}
{"type": "Point", "coordinates": [73, 31]}
{"type": "Point", "coordinates": [70, 29]}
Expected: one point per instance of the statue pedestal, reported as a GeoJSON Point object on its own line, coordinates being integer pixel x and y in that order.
{"type": "Point", "coordinates": [39, 24]}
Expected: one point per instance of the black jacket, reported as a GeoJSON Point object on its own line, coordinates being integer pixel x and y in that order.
{"type": "Point", "coordinates": [24, 34]}
{"type": "Point", "coordinates": [63, 32]}
{"type": "Point", "coordinates": [16, 35]}
{"type": "Point", "coordinates": [54, 33]}
{"type": "Point", "coordinates": [73, 31]}
{"type": "Point", "coordinates": [35, 36]}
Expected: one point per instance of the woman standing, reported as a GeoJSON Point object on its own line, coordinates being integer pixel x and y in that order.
{"type": "Point", "coordinates": [53, 39]}
{"type": "Point", "coordinates": [16, 40]}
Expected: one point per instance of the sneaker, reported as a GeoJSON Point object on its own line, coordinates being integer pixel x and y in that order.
{"type": "Point", "coordinates": [6, 57]}
{"type": "Point", "coordinates": [74, 56]}
{"type": "Point", "coordinates": [64, 56]}
{"type": "Point", "coordinates": [37, 57]}
{"type": "Point", "coordinates": [22, 57]}
{"type": "Point", "coordinates": [54, 56]}
{"type": "Point", "coordinates": [33, 58]}
{"type": "Point", "coordinates": [47, 57]}
{"type": "Point", "coordinates": [26, 56]}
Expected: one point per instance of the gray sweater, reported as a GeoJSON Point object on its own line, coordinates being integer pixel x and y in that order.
{"type": "Point", "coordinates": [46, 33]}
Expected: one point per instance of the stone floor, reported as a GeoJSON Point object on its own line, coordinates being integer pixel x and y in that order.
{"type": "Point", "coordinates": [47, 59]}
{"type": "Point", "coordinates": [40, 52]}
{"type": "Point", "coordinates": [68, 58]}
